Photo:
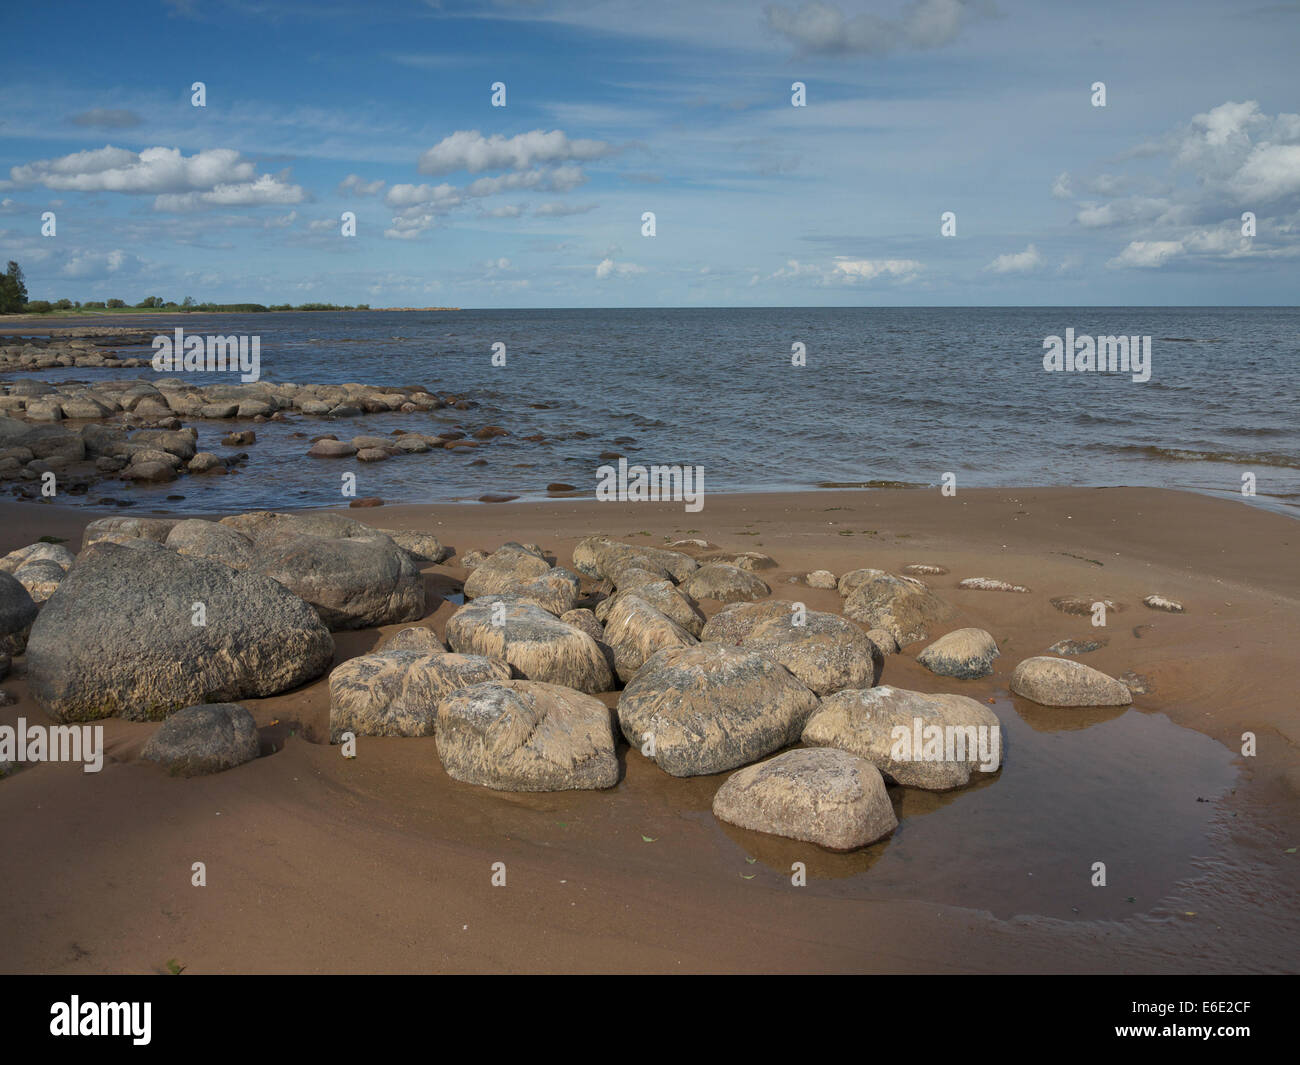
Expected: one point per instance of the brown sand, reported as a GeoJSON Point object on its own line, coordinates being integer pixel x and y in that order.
{"type": "Point", "coordinates": [383, 864]}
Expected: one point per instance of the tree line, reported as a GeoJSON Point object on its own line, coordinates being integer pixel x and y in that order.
{"type": "Point", "coordinates": [13, 300]}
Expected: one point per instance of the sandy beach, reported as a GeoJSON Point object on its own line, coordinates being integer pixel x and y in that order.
{"type": "Point", "coordinates": [383, 863]}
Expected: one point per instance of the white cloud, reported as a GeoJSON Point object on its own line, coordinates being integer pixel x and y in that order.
{"type": "Point", "coordinates": [469, 150]}
{"type": "Point", "coordinates": [1147, 254]}
{"type": "Point", "coordinates": [213, 177]}
{"type": "Point", "coordinates": [608, 268]}
{"type": "Point", "coordinates": [357, 186]}
{"type": "Point", "coordinates": [845, 270]}
{"type": "Point", "coordinates": [1020, 262]}
{"type": "Point", "coordinates": [1061, 186]}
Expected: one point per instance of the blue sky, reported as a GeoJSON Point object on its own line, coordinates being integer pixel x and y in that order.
{"type": "Point", "coordinates": [683, 109]}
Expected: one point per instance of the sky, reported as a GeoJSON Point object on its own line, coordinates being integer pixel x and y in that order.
{"type": "Point", "coordinates": [682, 109]}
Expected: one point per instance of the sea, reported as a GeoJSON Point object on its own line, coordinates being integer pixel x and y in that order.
{"type": "Point", "coordinates": [768, 399]}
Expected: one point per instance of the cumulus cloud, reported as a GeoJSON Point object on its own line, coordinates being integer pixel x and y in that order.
{"type": "Point", "coordinates": [608, 268]}
{"type": "Point", "coordinates": [356, 186]}
{"type": "Point", "coordinates": [1223, 162]}
{"type": "Point", "coordinates": [844, 270]}
{"type": "Point", "coordinates": [1020, 262]}
{"type": "Point", "coordinates": [89, 266]}
{"type": "Point", "coordinates": [105, 118]}
{"type": "Point", "coordinates": [1147, 254]}
{"type": "Point", "coordinates": [216, 177]}
{"type": "Point", "coordinates": [469, 150]}
{"type": "Point", "coordinates": [823, 29]}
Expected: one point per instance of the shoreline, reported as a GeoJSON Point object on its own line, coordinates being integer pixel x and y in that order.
{"type": "Point", "coordinates": [589, 895]}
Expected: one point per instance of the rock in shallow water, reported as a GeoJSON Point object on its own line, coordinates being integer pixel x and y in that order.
{"type": "Point", "coordinates": [202, 739]}
{"type": "Point", "coordinates": [963, 653]}
{"type": "Point", "coordinates": [888, 727]}
{"type": "Point", "coordinates": [522, 735]}
{"type": "Point", "coordinates": [709, 708]}
{"type": "Point", "coordinates": [1064, 682]}
{"type": "Point", "coordinates": [828, 797]}
{"type": "Point", "coordinates": [119, 637]}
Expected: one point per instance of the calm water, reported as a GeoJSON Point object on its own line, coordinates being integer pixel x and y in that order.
{"type": "Point", "coordinates": [887, 395]}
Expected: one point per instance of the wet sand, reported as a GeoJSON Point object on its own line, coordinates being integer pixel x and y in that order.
{"type": "Point", "coordinates": [383, 864]}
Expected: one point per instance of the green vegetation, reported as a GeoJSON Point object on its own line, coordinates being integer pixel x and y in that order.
{"type": "Point", "coordinates": [13, 300]}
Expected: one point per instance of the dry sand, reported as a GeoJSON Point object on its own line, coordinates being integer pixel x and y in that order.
{"type": "Point", "coordinates": [383, 864]}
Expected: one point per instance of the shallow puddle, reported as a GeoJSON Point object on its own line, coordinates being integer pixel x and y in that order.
{"type": "Point", "coordinates": [1123, 787]}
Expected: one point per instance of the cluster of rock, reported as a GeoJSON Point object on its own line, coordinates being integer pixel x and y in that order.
{"type": "Point", "coordinates": [89, 347]}
{"type": "Point", "coordinates": [165, 397]}
{"type": "Point", "coordinates": [80, 456]}
{"type": "Point", "coordinates": [378, 448]}
{"type": "Point", "coordinates": [511, 698]}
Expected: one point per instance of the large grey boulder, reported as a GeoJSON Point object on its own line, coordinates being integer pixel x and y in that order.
{"type": "Point", "coordinates": [832, 798]}
{"type": "Point", "coordinates": [601, 557]}
{"type": "Point", "coordinates": [424, 547]}
{"type": "Point", "coordinates": [17, 612]}
{"type": "Point", "coordinates": [522, 735]}
{"type": "Point", "coordinates": [823, 650]}
{"type": "Point", "coordinates": [1065, 682]}
{"type": "Point", "coordinates": [725, 583]}
{"type": "Point", "coordinates": [916, 739]}
{"type": "Point", "coordinates": [708, 708]}
{"type": "Point", "coordinates": [636, 630]}
{"type": "Point", "coordinates": [396, 693]}
{"type": "Point", "coordinates": [536, 643]}
{"type": "Point", "coordinates": [665, 597]}
{"type": "Point", "coordinates": [202, 739]}
{"type": "Point", "coordinates": [504, 570]}
{"type": "Point", "coordinates": [903, 606]}
{"type": "Point", "coordinates": [120, 529]}
{"type": "Point", "coordinates": [963, 653]}
{"type": "Point", "coordinates": [214, 541]}
{"type": "Point", "coordinates": [118, 636]}
{"type": "Point", "coordinates": [352, 583]}
{"type": "Point", "coordinates": [733, 623]}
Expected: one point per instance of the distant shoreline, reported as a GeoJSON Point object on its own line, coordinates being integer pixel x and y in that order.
{"type": "Point", "coordinates": [96, 312]}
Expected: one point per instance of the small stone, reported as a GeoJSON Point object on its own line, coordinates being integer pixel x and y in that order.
{"type": "Point", "coordinates": [1159, 602]}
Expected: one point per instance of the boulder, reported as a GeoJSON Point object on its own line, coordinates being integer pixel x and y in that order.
{"type": "Point", "coordinates": [118, 636]}
{"type": "Point", "coordinates": [415, 639]}
{"type": "Point", "coordinates": [914, 738]}
{"type": "Point", "coordinates": [964, 653]}
{"type": "Point", "coordinates": [725, 583]}
{"type": "Point", "coordinates": [856, 578]}
{"type": "Point", "coordinates": [665, 597]}
{"type": "Point", "coordinates": [524, 735]}
{"type": "Point", "coordinates": [709, 708]}
{"type": "Point", "coordinates": [733, 623]}
{"type": "Point", "coordinates": [991, 584]}
{"type": "Point", "coordinates": [585, 621]}
{"type": "Point", "coordinates": [33, 552]}
{"type": "Point", "coordinates": [352, 583]}
{"type": "Point", "coordinates": [396, 692]}
{"type": "Point", "coordinates": [1064, 682]}
{"type": "Point", "coordinates": [505, 570]}
{"type": "Point", "coordinates": [828, 797]}
{"type": "Point", "coordinates": [1160, 602]}
{"type": "Point", "coordinates": [596, 554]}
{"type": "Point", "coordinates": [214, 541]}
{"type": "Point", "coordinates": [821, 578]}
{"type": "Point", "coordinates": [40, 577]}
{"type": "Point", "coordinates": [903, 606]}
{"type": "Point", "coordinates": [825, 652]}
{"type": "Point", "coordinates": [202, 739]}
{"type": "Point", "coordinates": [118, 530]}
{"type": "Point", "coordinates": [422, 546]}
{"type": "Point", "coordinates": [536, 643]}
{"type": "Point", "coordinates": [17, 612]}
{"type": "Point", "coordinates": [555, 591]}
{"type": "Point", "coordinates": [332, 449]}
{"type": "Point", "coordinates": [636, 630]}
